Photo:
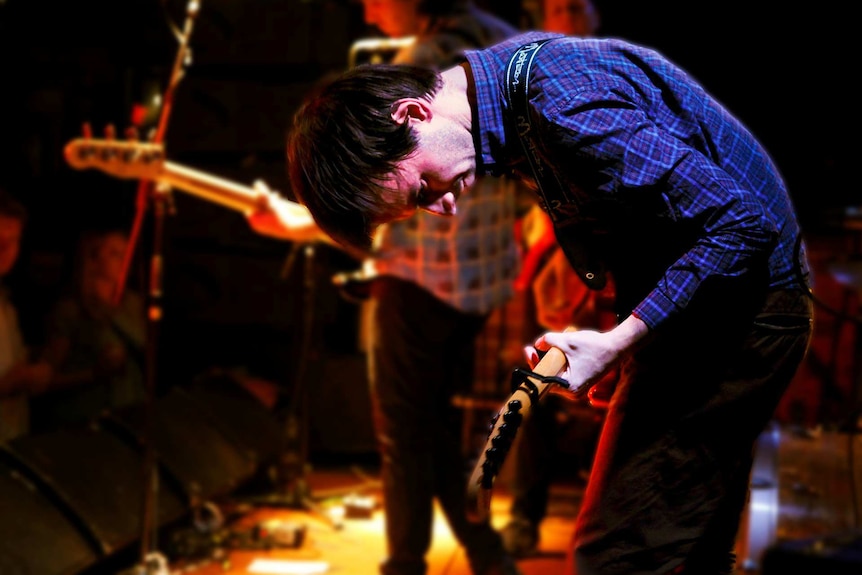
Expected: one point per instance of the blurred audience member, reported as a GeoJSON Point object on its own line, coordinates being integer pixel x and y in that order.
{"type": "Point", "coordinates": [19, 377]}
{"type": "Point", "coordinates": [95, 342]}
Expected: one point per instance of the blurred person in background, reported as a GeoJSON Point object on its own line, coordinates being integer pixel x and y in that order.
{"type": "Point", "coordinates": [95, 341]}
{"type": "Point", "coordinates": [20, 377]}
{"type": "Point", "coordinates": [433, 284]}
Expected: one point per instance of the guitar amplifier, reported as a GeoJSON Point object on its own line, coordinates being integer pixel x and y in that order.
{"type": "Point", "coordinates": [836, 554]}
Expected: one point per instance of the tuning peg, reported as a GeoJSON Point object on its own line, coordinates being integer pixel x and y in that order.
{"type": "Point", "coordinates": [110, 132]}
{"type": "Point", "coordinates": [130, 153]}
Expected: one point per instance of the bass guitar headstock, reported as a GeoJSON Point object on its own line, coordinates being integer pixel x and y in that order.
{"type": "Point", "coordinates": [504, 428]}
{"type": "Point", "coordinates": [122, 159]}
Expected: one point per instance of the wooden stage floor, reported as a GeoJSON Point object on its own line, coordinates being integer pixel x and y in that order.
{"type": "Point", "coordinates": [802, 490]}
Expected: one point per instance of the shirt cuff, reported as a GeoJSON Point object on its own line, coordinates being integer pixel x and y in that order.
{"type": "Point", "coordinates": [655, 309]}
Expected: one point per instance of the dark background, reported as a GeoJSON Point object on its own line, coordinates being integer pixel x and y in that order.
{"type": "Point", "coordinates": [229, 298]}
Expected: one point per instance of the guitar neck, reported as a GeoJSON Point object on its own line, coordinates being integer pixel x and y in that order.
{"type": "Point", "coordinates": [146, 161]}
{"type": "Point", "coordinates": [211, 188]}
{"type": "Point", "coordinates": [227, 193]}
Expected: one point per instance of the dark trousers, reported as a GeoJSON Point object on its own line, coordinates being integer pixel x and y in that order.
{"type": "Point", "coordinates": [558, 437]}
{"type": "Point", "coordinates": [421, 353]}
{"type": "Point", "coordinates": [670, 478]}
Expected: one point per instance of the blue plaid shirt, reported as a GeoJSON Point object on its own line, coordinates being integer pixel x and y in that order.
{"type": "Point", "coordinates": [674, 191]}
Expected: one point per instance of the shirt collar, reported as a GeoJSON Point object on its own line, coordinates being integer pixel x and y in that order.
{"type": "Point", "coordinates": [484, 94]}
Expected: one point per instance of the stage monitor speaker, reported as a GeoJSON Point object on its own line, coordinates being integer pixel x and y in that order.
{"type": "Point", "coordinates": [241, 416]}
{"type": "Point", "coordinates": [99, 478]}
{"type": "Point", "coordinates": [37, 536]}
{"type": "Point", "coordinates": [836, 554]}
{"type": "Point", "coordinates": [203, 460]}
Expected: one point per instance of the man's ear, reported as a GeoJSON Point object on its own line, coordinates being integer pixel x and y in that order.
{"type": "Point", "coordinates": [406, 109]}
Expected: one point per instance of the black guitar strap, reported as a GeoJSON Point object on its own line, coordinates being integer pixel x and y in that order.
{"type": "Point", "coordinates": [562, 206]}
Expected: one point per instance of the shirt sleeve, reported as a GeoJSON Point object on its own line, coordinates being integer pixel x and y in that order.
{"type": "Point", "coordinates": [603, 141]}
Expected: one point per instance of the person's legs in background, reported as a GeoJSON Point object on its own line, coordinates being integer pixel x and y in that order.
{"type": "Point", "coordinates": [420, 355]}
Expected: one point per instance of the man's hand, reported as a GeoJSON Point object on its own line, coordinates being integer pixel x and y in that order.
{"type": "Point", "coordinates": [279, 218]}
{"type": "Point", "coordinates": [589, 354]}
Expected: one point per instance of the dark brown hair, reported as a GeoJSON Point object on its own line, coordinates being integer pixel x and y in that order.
{"type": "Point", "coordinates": [344, 143]}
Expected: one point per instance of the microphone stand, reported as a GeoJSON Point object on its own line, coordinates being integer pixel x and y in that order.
{"type": "Point", "coordinates": [292, 488]}
{"type": "Point", "coordinates": [151, 561]}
